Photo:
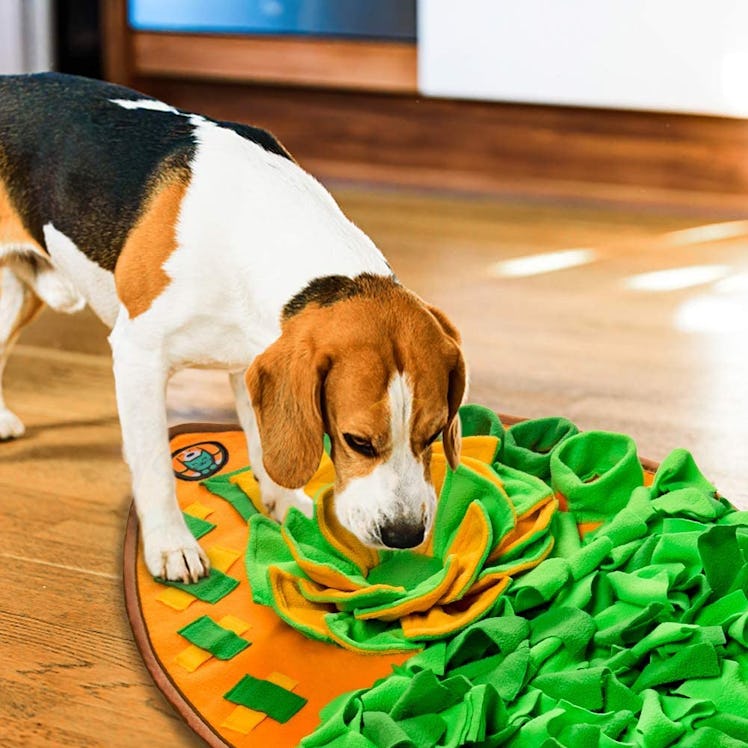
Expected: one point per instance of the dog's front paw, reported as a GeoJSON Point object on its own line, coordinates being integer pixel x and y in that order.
{"type": "Point", "coordinates": [173, 553]}
{"type": "Point", "coordinates": [11, 426]}
{"type": "Point", "coordinates": [279, 500]}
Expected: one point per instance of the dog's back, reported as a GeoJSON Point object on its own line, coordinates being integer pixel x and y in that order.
{"type": "Point", "coordinates": [85, 155]}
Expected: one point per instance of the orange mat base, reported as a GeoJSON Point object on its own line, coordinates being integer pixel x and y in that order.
{"type": "Point", "coordinates": [320, 671]}
{"type": "Point", "coordinates": [193, 681]}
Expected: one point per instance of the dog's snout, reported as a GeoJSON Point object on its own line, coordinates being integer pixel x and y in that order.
{"type": "Point", "coordinates": [402, 534]}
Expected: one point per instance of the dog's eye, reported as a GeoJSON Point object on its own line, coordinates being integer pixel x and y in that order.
{"type": "Point", "coordinates": [360, 444]}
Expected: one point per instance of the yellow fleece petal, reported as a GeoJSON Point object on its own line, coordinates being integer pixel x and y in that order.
{"type": "Point", "coordinates": [536, 519]}
{"type": "Point", "coordinates": [324, 574]}
{"type": "Point", "coordinates": [294, 606]}
{"type": "Point", "coordinates": [441, 620]}
{"type": "Point", "coordinates": [319, 594]}
{"type": "Point", "coordinates": [340, 538]}
{"type": "Point", "coordinates": [424, 602]}
{"type": "Point", "coordinates": [324, 476]}
{"type": "Point", "coordinates": [469, 549]}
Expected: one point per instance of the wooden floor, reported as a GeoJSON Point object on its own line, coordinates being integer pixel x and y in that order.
{"type": "Point", "coordinates": [603, 343]}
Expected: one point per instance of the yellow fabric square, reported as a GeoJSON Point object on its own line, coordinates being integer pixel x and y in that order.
{"type": "Point", "coordinates": [247, 482]}
{"type": "Point", "coordinates": [196, 509]}
{"type": "Point", "coordinates": [177, 599]}
{"type": "Point", "coordinates": [222, 558]}
{"type": "Point", "coordinates": [232, 623]}
{"type": "Point", "coordinates": [284, 681]}
{"type": "Point", "coordinates": [192, 657]}
{"type": "Point", "coordinates": [243, 720]}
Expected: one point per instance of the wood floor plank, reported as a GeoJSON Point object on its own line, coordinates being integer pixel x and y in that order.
{"type": "Point", "coordinates": [71, 674]}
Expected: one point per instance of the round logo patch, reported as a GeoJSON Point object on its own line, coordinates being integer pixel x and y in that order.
{"type": "Point", "coordinates": [199, 461]}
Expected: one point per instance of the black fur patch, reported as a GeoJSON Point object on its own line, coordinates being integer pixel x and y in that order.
{"type": "Point", "coordinates": [330, 289]}
{"type": "Point", "coordinates": [70, 156]}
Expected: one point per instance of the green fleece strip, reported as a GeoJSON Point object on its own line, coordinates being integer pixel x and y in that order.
{"type": "Point", "coordinates": [278, 703]}
{"type": "Point", "coordinates": [528, 444]}
{"type": "Point", "coordinates": [476, 420]}
{"type": "Point", "coordinates": [205, 633]}
{"type": "Point", "coordinates": [265, 548]}
{"type": "Point", "coordinates": [221, 486]}
{"type": "Point", "coordinates": [197, 526]}
{"type": "Point", "coordinates": [637, 636]}
{"type": "Point", "coordinates": [596, 471]}
{"type": "Point", "coordinates": [209, 589]}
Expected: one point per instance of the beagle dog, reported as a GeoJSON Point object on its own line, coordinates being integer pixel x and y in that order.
{"type": "Point", "coordinates": [203, 243]}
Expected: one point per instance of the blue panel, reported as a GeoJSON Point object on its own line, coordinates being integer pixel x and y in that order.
{"type": "Point", "coordinates": [380, 19]}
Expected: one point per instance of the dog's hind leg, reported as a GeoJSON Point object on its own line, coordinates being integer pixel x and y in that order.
{"type": "Point", "coordinates": [18, 306]}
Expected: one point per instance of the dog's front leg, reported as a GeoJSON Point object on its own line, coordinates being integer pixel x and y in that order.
{"type": "Point", "coordinates": [141, 375]}
{"type": "Point", "coordinates": [277, 499]}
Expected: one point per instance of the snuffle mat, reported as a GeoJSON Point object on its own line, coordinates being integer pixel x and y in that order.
{"type": "Point", "coordinates": [570, 594]}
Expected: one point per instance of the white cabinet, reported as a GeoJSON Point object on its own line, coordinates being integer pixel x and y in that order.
{"type": "Point", "coordinates": [662, 55]}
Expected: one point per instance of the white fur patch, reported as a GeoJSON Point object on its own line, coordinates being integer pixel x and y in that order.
{"type": "Point", "coordinates": [153, 105]}
{"type": "Point", "coordinates": [254, 229]}
{"type": "Point", "coordinates": [92, 281]}
{"type": "Point", "coordinates": [395, 491]}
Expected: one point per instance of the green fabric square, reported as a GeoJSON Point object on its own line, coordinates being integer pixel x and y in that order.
{"type": "Point", "coordinates": [221, 485]}
{"type": "Point", "coordinates": [263, 696]}
{"type": "Point", "coordinates": [205, 633]}
{"type": "Point", "coordinates": [198, 527]}
{"type": "Point", "coordinates": [209, 589]}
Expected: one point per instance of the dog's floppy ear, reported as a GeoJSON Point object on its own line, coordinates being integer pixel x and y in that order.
{"type": "Point", "coordinates": [285, 386]}
{"type": "Point", "coordinates": [451, 436]}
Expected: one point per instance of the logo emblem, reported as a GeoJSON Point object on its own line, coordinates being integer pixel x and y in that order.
{"type": "Point", "coordinates": [199, 461]}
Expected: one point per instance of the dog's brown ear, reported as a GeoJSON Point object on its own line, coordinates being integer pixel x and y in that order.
{"type": "Point", "coordinates": [447, 327]}
{"type": "Point", "coordinates": [451, 436]}
{"type": "Point", "coordinates": [285, 386]}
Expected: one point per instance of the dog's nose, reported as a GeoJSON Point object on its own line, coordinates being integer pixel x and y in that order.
{"type": "Point", "coordinates": [402, 534]}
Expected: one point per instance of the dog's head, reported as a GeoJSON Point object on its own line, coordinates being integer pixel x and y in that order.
{"type": "Point", "coordinates": [382, 373]}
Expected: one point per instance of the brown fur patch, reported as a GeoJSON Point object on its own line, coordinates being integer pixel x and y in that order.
{"type": "Point", "coordinates": [12, 230]}
{"type": "Point", "coordinates": [139, 275]}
